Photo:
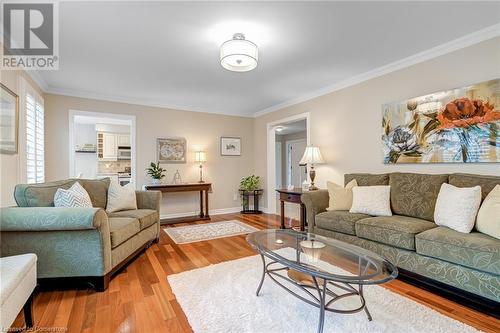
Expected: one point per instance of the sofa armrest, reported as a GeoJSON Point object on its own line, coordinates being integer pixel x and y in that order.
{"type": "Point", "coordinates": [69, 242]}
{"type": "Point", "coordinates": [316, 202]}
{"type": "Point", "coordinates": [148, 200]}
{"type": "Point", "coordinates": [50, 218]}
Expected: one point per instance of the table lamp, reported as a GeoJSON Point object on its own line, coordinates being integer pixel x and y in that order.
{"type": "Point", "coordinates": [200, 157]}
{"type": "Point", "coordinates": [312, 156]}
{"type": "Point", "coordinates": [312, 249]}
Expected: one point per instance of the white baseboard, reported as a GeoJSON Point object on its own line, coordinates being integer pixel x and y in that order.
{"type": "Point", "coordinates": [265, 210]}
{"type": "Point", "coordinates": [211, 212]}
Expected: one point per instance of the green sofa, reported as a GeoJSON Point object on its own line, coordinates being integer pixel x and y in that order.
{"type": "Point", "coordinates": [84, 244]}
{"type": "Point", "coordinates": [438, 257]}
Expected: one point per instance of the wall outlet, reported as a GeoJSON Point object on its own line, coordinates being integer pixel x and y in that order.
{"type": "Point", "coordinates": [235, 196]}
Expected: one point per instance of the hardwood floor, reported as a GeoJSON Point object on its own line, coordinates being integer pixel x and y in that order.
{"type": "Point", "coordinates": [139, 298]}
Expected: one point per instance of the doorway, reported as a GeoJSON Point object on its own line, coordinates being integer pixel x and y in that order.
{"type": "Point", "coordinates": [294, 151]}
{"type": "Point", "coordinates": [102, 145]}
{"type": "Point", "coordinates": [279, 167]}
{"type": "Point", "coordinates": [290, 136]}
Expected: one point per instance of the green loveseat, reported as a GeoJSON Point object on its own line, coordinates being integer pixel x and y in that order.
{"type": "Point", "coordinates": [435, 256]}
{"type": "Point", "coordinates": [84, 244]}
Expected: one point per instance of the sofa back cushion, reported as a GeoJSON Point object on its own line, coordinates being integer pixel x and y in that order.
{"type": "Point", "coordinates": [42, 195]}
{"type": "Point", "coordinates": [415, 194]}
{"type": "Point", "coordinates": [97, 189]}
{"type": "Point", "coordinates": [367, 179]}
{"type": "Point", "coordinates": [487, 183]}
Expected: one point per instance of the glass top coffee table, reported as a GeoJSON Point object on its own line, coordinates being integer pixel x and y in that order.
{"type": "Point", "coordinates": [319, 270]}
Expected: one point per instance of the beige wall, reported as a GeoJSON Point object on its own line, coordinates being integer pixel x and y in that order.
{"type": "Point", "coordinates": [346, 124]}
{"type": "Point", "coordinates": [201, 130]}
{"type": "Point", "coordinates": [9, 170]}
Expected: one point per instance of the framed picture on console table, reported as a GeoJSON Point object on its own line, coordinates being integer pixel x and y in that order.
{"type": "Point", "coordinates": [171, 150]}
{"type": "Point", "coordinates": [9, 120]}
{"type": "Point", "coordinates": [460, 125]}
{"type": "Point", "coordinates": [230, 146]}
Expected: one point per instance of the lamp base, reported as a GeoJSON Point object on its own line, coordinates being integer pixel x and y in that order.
{"type": "Point", "coordinates": [201, 174]}
{"type": "Point", "coordinates": [312, 174]}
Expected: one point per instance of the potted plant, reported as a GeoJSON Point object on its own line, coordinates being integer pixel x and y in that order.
{"type": "Point", "coordinates": [155, 172]}
{"type": "Point", "coordinates": [250, 186]}
{"type": "Point", "coordinates": [250, 183]}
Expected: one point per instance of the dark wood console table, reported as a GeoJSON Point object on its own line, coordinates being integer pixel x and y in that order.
{"type": "Point", "coordinates": [203, 188]}
{"type": "Point", "coordinates": [292, 196]}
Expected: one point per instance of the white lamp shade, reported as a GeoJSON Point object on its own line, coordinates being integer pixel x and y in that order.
{"type": "Point", "coordinates": [200, 156]}
{"type": "Point", "coordinates": [312, 155]}
{"type": "Point", "coordinates": [239, 55]}
{"type": "Point", "coordinates": [312, 249]}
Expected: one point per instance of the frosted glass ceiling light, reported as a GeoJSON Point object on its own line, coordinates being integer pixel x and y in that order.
{"type": "Point", "coordinates": [239, 54]}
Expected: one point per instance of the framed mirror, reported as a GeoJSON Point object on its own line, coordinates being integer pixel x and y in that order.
{"type": "Point", "coordinates": [9, 120]}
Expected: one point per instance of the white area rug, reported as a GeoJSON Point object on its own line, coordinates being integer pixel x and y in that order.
{"type": "Point", "coordinates": [221, 298]}
{"type": "Point", "coordinates": [210, 230]}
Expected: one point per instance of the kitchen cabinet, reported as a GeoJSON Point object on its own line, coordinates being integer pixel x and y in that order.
{"type": "Point", "coordinates": [108, 143]}
{"type": "Point", "coordinates": [110, 146]}
{"type": "Point", "coordinates": [123, 140]}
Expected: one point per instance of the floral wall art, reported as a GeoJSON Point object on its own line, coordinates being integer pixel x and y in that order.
{"type": "Point", "coordinates": [455, 126]}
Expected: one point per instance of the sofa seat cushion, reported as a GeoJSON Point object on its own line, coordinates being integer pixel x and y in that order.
{"type": "Point", "coordinates": [122, 228]}
{"type": "Point", "coordinates": [146, 217]}
{"type": "Point", "coordinates": [474, 250]}
{"type": "Point", "coordinates": [339, 221]}
{"type": "Point", "coordinates": [396, 230]}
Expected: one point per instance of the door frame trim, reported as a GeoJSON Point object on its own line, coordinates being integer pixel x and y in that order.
{"type": "Point", "coordinates": [133, 137]}
{"type": "Point", "coordinates": [271, 155]}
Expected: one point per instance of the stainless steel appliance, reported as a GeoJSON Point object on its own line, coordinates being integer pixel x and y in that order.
{"type": "Point", "coordinates": [123, 178]}
{"type": "Point", "coordinates": [124, 153]}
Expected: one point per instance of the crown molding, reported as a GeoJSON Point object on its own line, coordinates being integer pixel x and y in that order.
{"type": "Point", "coordinates": [137, 101]}
{"type": "Point", "coordinates": [38, 79]}
{"type": "Point", "coordinates": [448, 47]}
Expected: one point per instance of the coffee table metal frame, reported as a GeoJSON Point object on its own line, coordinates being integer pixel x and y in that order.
{"type": "Point", "coordinates": [321, 282]}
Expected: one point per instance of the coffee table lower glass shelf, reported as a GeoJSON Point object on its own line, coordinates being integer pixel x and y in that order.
{"type": "Point", "coordinates": [319, 270]}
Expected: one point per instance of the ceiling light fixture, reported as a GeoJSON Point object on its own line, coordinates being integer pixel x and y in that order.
{"type": "Point", "coordinates": [279, 128]}
{"type": "Point", "coordinates": [239, 54]}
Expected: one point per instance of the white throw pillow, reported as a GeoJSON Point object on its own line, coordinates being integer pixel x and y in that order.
{"type": "Point", "coordinates": [340, 197]}
{"type": "Point", "coordinates": [456, 207]}
{"type": "Point", "coordinates": [488, 217]}
{"type": "Point", "coordinates": [75, 196]}
{"type": "Point", "coordinates": [121, 197]}
{"type": "Point", "coordinates": [371, 200]}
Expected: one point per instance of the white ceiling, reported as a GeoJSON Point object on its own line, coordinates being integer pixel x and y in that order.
{"type": "Point", "coordinates": [166, 53]}
{"type": "Point", "coordinates": [292, 127]}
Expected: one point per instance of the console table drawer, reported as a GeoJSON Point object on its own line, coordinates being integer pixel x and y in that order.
{"type": "Point", "coordinates": [290, 197]}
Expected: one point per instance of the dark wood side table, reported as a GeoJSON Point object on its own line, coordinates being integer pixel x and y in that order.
{"type": "Point", "coordinates": [203, 188]}
{"type": "Point", "coordinates": [245, 197]}
{"type": "Point", "coordinates": [292, 196]}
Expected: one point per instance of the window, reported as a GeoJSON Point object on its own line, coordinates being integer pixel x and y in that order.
{"type": "Point", "coordinates": [35, 152]}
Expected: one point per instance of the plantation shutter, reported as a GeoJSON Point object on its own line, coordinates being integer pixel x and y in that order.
{"type": "Point", "coordinates": [35, 149]}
